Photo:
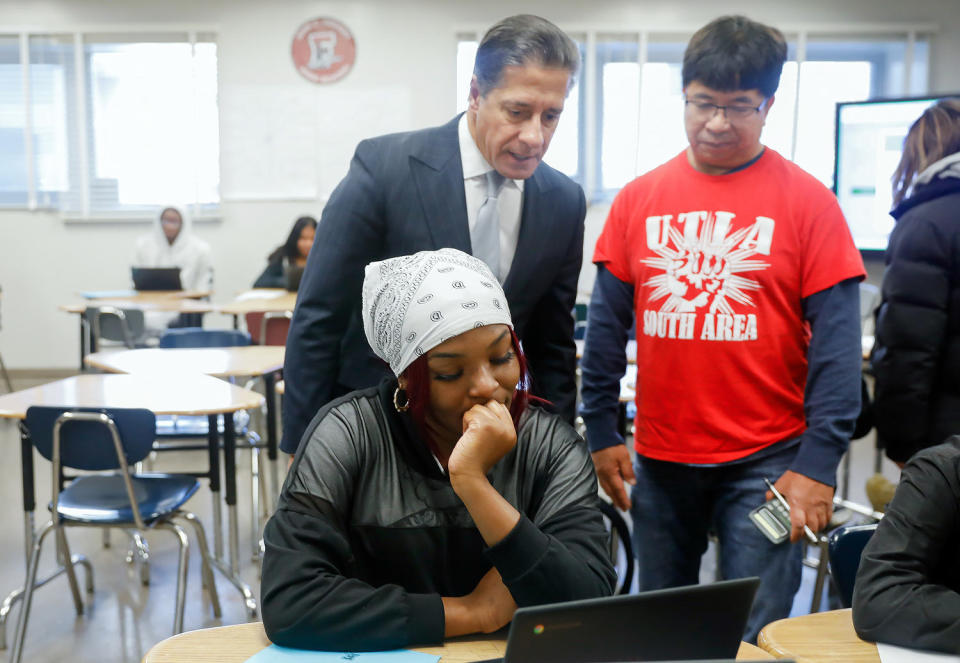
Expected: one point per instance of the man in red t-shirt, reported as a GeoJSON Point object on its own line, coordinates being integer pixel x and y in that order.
{"type": "Point", "coordinates": [740, 273]}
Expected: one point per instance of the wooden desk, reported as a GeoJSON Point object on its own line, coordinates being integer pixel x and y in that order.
{"type": "Point", "coordinates": [181, 301]}
{"type": "Point", "coordinates": [260, 300]}
{"type": "Point", "coordinates": [235, 644]}
{"type": "Point", "coordinates": [251, 360]}
{"type": "Point", "coordinates": [162, 394]}
{"type": "Point", "coordinates": [263, 361]}
{"type": "Point", "coordinates": [170, 301]}
{"type": "Point", "coordinates": [188, 394]}
{"type": "Point", "coordinates": [821, 637]}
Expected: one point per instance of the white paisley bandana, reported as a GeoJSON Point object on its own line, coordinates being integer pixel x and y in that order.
{"type": "Point", "coordinates": [412, 304]}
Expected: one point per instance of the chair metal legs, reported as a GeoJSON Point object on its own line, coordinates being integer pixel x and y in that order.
{"type": "Point", "coordinates": [206, 567]}
{"type": "Point", "coordinates": [63, 554]}
{"type": "Point", "coordinates": [181, 574]}
{"type": "Point", "coordinates": [67, 562]}
{"type": "Point", "coordinates": [256, 484]}
{"type": "Point", "coordinates": [260, 499]}
{"type": "Point", "coordinates": [822, 569]}
{"type": "Point", "coordinates": [28, 589]}
{"type": "Point", "coordinates": [139, 551]}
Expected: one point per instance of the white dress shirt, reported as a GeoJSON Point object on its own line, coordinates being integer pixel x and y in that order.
{"type": "Point", "coordinates": [509, 203]}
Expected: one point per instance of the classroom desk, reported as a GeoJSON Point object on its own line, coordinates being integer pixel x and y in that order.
{"type": "Point", "coordinates": [820, 637]}
{"type": "Point", "coordinates": [198, 395]}
{"type": "Point", "coordinates": [169, 301]}
{"type": "Point", "coordinates": [263, 361]}
{"type": "Point", "coordinates": [259, 300]}
{"type": "Point", "coordinates": [235, 644]}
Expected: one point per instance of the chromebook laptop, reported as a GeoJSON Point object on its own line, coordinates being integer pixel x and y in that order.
{"type": "Point", "coordinates": [698, 622]}
{"type": "Point", "coordinates": [156, 278]}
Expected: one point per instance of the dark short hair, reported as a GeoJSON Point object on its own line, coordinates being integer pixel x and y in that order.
{"type": "Point", "coordinates": [734, 53]}
{"type": "Point", "coordinates": [520, 41]}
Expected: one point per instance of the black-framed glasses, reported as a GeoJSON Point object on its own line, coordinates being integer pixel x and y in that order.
{"type": "Point", "coordinates": [732, 112]}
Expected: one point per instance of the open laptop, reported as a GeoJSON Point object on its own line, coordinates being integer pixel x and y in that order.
{"type": "Point", "coordinates": [293, 274]}
{"type": "Point", "coordinates": [682, 623]}
{"type": "Point", "coordinates": [156, 278]}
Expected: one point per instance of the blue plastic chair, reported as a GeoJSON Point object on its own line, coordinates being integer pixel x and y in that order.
{"type": "Point", "coordinates": [100, 440]}
{"type": "Point", "coordinates": [619, 536]}
{"type": "Point", "coordinates": [846, 547]}
{"type": "Point", "coordinates": [197, 337]}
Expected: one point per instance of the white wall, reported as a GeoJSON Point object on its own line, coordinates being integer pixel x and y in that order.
{"type": "Point", "coordinates": [403, 79]}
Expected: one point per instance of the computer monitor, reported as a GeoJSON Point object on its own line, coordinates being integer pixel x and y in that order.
{"type": "Point", "coordinates": [869, 140]}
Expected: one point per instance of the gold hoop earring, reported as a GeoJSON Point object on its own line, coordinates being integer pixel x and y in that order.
{"type": "Point", "coordinates": [398, 406]}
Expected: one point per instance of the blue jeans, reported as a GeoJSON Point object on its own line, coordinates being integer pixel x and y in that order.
{"type": "Point", "coordinates": [675, 505]}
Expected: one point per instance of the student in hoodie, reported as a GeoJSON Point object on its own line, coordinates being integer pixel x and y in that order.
{"type": "Point", "coordinates": [171, 244]}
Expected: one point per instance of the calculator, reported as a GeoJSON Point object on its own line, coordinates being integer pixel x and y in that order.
{"type": "Point", "coordinates": [773, 519]}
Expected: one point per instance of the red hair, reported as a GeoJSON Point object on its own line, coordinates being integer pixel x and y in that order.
{"type": "Point", "coordinates": [418, 389]}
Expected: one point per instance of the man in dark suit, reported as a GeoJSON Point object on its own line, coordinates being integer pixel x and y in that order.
{"type": "Point", "coordinates": [435, 188]}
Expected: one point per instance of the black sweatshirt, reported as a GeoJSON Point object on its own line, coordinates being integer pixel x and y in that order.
{"type": "Point", "coordinates": [907, 590]}
{"type": "Point", "coordinates": [369, 535]}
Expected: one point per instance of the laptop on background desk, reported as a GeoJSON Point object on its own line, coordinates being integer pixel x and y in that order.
{"type": "Point", "coordinates": [698, 622]}
{"type": "Point", "coordinates": [293, 274]}
{"type": "Point", "coordinates": [156, 278]}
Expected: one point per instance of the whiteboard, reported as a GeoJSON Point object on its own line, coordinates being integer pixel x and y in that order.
{"type": "Point", "coordinates": [268, 142]}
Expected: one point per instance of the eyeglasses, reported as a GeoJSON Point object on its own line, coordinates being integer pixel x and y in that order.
{"type": "Point", "coordinates": [733, 113]}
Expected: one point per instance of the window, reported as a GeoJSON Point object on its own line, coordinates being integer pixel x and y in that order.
{"type": "Point", "coordinates": [13, 165]}
{"type": "Point", "coordinates": [636, 113]}
{"type": "Point", "coordinates": [129, 125]}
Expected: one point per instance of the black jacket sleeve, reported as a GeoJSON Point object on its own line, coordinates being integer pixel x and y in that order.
{"type": "Point", "coordinates": [548, 339]}
{"type": "Point", "coordinates": [558, 553]}
{"type": "Point", "coordinates": [349, 236]}
{"type": "Point", "coordinates": [272, 276]}
{"type": "Point", "coordinates": [311, 597]}
{"type": "Point", "coordinates": [906, 590]}
{"type": "Point", "coordinates": [310, 603]}
{"type": "Point", "coordinates": [911, 335]}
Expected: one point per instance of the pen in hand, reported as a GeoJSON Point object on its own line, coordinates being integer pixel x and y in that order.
{"type": "Point", "coordinates": [786, 505]}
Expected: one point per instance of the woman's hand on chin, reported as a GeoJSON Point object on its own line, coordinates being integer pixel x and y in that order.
{"type": "Point", "coordinates": [488, 435]}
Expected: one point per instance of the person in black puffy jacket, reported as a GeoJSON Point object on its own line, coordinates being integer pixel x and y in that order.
{"type": "Point", "coordinates": [916, 359]}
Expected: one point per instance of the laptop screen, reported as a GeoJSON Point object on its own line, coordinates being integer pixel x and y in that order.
{"type": "Point", "coordinates": [156, 278]}
{"type": "Point", "coordinates": [682, 623]}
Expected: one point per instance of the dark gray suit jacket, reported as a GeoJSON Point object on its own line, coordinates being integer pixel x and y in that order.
{"type": "Point", "coordinates": [403, 194]}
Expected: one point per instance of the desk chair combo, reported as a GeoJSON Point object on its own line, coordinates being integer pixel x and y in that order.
{"type": "Point", "coordinates": [99, 440]}
{"type": "Point", "coordinates": [187, 427]}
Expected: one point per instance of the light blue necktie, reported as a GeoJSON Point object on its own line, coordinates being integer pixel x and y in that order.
{"type": "Point", "coordinates": [485, 236]}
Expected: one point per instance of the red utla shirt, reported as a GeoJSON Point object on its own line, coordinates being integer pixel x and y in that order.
{"type": "Point", "coordinates": [719, 266]}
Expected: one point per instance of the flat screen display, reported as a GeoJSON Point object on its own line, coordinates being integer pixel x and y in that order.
{"type": "Point", "coordinates": [869, 139]}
